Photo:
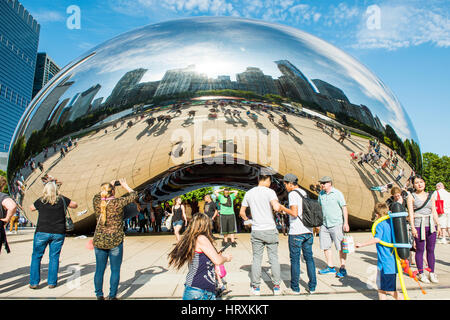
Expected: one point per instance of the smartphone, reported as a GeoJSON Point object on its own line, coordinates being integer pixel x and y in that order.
{"type": "Point", "coordinates": [226, 246]}
{"type": "Point", "coordinates": [117, 183]}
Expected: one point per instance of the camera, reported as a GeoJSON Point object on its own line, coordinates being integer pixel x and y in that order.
{"type": "Point", "coordinates": [117, 183]}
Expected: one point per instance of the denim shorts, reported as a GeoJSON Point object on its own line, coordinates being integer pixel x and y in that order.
{"type": "Point", "coordinates": [178, 223]}
{"type": "Point", "coordinates": [191, 293]}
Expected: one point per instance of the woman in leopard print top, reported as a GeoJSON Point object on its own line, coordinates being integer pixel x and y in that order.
{"type": "Point", "coordinates": [109, 235]}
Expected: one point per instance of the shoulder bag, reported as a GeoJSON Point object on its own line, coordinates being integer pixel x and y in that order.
{"type": "Point", "coordinates": [439, 204]}
{"type": "Point", "coordinates": [425, 203]}
{"type": "Point", "coordinates": [69, 223]}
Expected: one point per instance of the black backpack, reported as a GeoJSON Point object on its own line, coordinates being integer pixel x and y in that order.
{"type": "Point", "coordinates": [312, 212]}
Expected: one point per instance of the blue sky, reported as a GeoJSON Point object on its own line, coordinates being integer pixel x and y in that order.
{"type": "Point", "coordinates": [405, 43]}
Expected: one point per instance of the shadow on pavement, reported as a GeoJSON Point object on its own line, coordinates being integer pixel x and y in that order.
{"type": "Point", "coordinates": [141, 277]}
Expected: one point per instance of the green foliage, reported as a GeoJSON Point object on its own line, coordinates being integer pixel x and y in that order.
{"type": "Point", "coordinates": [436, 169]}
{"type": "Point", "coordinates": [197, 195]}
{"type": "Point", "coordinates": [3, 174]}
{"type": "Point", "coordinates": [388, 141]}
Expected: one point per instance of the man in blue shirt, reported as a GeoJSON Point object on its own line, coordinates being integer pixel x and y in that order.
{"type": "Point", "coordinates": [386, 265]}
{"type": "Point", "coordinates": [335, 223]}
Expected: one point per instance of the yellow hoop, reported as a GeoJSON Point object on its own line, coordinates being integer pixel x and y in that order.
{"type": "Point", "coordinates": [391, 245]}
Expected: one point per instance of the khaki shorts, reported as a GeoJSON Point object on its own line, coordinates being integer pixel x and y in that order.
{"type": "Point", "coordinates": [444, 220]}
{"type": "Point", "coordinates": [329, 235]}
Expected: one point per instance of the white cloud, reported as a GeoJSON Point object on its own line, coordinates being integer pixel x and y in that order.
{"type": "Point", "coordinates": [215, 7]}
{"type": "Point", "coordinates": [405, 26]}
{"type": "Point", "coordinates": [48, 16]}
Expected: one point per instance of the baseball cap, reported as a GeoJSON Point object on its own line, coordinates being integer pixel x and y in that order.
{"type": "Point", "coordinates": [325, 179]}
{"type": "Point", "coordinates": [290, 178]}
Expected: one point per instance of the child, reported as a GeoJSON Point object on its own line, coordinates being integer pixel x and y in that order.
{"type": "Point", "coordinates": [196, 248]}
{"type": "Point", "coordinates": [387, 269]}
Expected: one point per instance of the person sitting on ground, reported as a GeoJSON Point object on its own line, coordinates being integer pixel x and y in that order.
{"type": "Point", "coordinates": [196, 248]}
{"type": "Point", "coordinates": [383, 188]}
{"type": "Point", "coordinates": [386, 265]}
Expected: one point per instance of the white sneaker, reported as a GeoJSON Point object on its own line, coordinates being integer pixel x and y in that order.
{"type": "Point", "coordinates": [423, 278]}
{"type": "Point", "coordinates": [442, 241]}
{"type": "Point", "coordinates": [255, 291]}
{"type": "Point", "coordinates": [433, 277]}
{"type": "Point", "coordinates": [289, 291]}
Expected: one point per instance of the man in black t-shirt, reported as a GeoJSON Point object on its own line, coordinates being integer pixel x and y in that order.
{"type": "Point", "coordinates": [210, 209]}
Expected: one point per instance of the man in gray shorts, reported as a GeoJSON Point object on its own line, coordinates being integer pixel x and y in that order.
{"type": "Point", "coordinates": [335, 223]}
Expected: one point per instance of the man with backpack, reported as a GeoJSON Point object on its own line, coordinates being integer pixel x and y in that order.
{"type": "Point", "coordinates": [300, 236]}
{"type": "Point", "coordinates": [335, 223]}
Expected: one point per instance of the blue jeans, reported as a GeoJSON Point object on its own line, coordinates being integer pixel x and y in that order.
{"type": "Point", "coordinates": [40, 242]}
{"type": "Point", "coordinates": [191, 293]}
{"type": "Point", "coordinates": [296, 244]}
{"type": "Point", "coordinates": [115, 256]}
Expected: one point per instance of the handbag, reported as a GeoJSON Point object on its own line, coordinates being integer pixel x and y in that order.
{"type": "Point", "coordinates": [169, 222]}
{"type": "Point", "coordinates": [69, 223]}
{"type": "Point", "coordinates": [220, 270]}
{"type": "Point", "coordinates": [348, 245]}
{"type": "Point", "coordinates": [439, 204]}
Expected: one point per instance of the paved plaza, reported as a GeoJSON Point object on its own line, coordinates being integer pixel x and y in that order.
{"type": "Point", "coordinates": [145, 273]}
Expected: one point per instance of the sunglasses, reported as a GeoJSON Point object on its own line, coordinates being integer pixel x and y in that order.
{"type": "Point", "coordinates": [324, 182]}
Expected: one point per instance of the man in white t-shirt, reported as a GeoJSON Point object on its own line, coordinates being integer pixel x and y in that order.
{"type": "Point", "coordinates": [262, 200]}
{"type": "Point", "coordinates": [300, 237]}
{"type": "Point", "coordinates": [444, 218]}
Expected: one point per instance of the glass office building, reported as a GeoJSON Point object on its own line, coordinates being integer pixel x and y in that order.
{"type": "Point", "coordinates": [19, 38]}
{"type": "Point", "coordinates": [46, 68]}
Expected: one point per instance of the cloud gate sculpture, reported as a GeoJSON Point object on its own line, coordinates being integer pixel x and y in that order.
{"type": "Point", "coordinates": [176, 106]}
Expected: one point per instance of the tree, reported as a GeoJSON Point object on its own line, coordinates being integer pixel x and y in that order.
{"type": "Point", "coordinates": [197, 195]}
{"type": "Point", "coordinates": [436, 169]}
{"type": "Point", "coordinates": [3, 174]}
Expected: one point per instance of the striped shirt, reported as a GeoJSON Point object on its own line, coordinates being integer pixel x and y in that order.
{"type": "Point", "coordinates": [201, 273]}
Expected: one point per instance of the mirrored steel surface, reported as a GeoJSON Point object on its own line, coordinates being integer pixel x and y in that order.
{"type": "Point", "coordinates": [195, 102]}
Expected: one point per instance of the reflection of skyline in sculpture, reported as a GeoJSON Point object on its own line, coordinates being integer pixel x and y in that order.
{"type": "Point", "coordinates": [292, 84]}
{"type": "Point", "coordinates": [130, 79]}
{"type": "Point", "coordinates": [47, 107]}
{"type": "Point", "coordinates": [82, 104]}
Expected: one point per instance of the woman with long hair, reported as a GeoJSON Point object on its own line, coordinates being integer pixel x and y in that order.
{"type": "Point", "coordinates": [179, 217]}
{"type": "Point", "coordinates": [423, 220]}
{"type": "Point", "coordinates": [50, 231]}
{"type": "Point", "coordinates": [109, 235]}
{"type": "Point", "coordinates": [196, 248]}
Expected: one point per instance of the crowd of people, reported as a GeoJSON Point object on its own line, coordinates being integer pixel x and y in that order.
{"type": "Point", "coordinates": [428, 220]}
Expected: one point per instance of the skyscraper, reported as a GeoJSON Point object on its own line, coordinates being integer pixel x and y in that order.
{"type": "Point", "coordinates": [83, 103]}
{"type": "Point", "coordinates": [19, 39]}
{"type": "Point", "coordinates": [294, 83]}
{"type": "Point", "coordinates": [253, 79]}
{"type": "Point", "coordinates": [176, 81]}
{"type": "Point", "coordinates": [329, 90]}
{"type": "Point", "coordinates": [38, 121]}
{"type": "Point", "coordinates": [46, 68]}
{"type": "Point", "coordinates": [129, 79]}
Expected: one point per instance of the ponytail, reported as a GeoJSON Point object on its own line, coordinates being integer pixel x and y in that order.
{"type": "Point", "coordinates": [106, 192]}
